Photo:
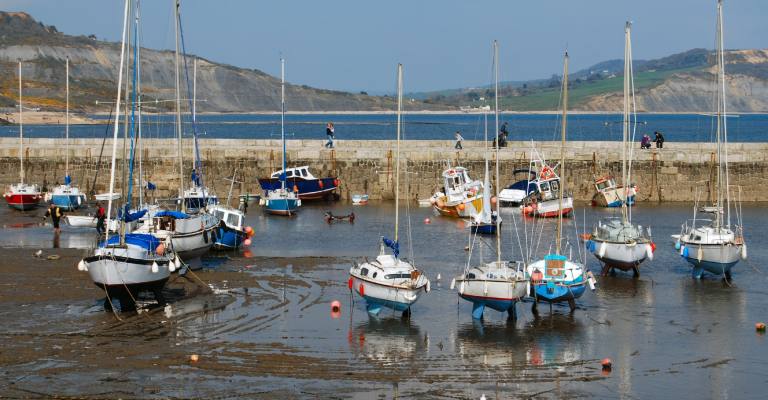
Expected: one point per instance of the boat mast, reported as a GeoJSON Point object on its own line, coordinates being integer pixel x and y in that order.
{"type": "Point", "coordinates": [625, 124]}
{"type": "Point", "coordinates": [66, 130]}
{"type": "Point", "coordinates": [195, 162]}
{"type": "Point", "coordinates": [496, 101]}
{"type": "Point", "coordinates": [21, 131]}
{"type": "Point", "coordinates": [562, 156]}
{"type": "Point", "coordinates": [117, 121]}
{"type": "Point", "coordinates": [397, 147]}
{"type": "Point", "coordinates": [282, 120]}
{"type": "Point", "coordinates": [140, 143]}
{"type": "Point", "coordinates": [178, 109]}
{"type": "Point", "coordinates": [722, 130]}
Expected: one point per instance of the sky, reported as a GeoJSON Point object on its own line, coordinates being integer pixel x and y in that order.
{"type": "Point", "coordinates": [354, 45]}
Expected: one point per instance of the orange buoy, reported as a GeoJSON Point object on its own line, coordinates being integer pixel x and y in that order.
{"type": "Point", "coordinates": [461, 206]}
{"type": "Point", "coordinates": [528, 209]}
{"type": "Point", "coordinates": [537, 276]}
{"type": "Point", "coordinates": [335, 309]}
{"type": "Point", "coordinates": [320, 183]}
{"type": "Point", "coordinates": [607, 364]}
{"type": "Point", "coordinates": [493, 200]}
{"type": "Point", "coordinates": [427, 221]}
{"type": "Point", "coordinates": [248, 229]}
{"type": "Point", "coordinates": [760, 327]}
{"type": "Point", "coordinates": [160, 249]}
{"type": "Point", "coordinates": [193, 358]}
{"type": "Point", "coordinates": [336, 182]}
{"type": "Point", "coordinates": [653, 247]}
{"type": "Point", "coordinates": [349, 283]}
{"type": "Point", "coordinates": [361, 289]}
{"type": "Point", "coordinates": [296, 188]}
{"type": "Point", "coordinates": [247, 254]}
{"type": "Point", "coordinates": [247, 242]}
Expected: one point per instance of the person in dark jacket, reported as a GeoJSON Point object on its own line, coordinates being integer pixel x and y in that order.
{"type": "Point", "coordinates": [330, 132]}
{"type": "Point", "coordinates": [659, 140]}
{"type": "Point", "coordinates": [55, 213]}
{"type": "Point", "coordinates": [101, 216]}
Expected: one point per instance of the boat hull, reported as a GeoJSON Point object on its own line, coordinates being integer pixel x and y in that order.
{"type": "Point", "coordinates": [551, 292]}
{"type": "Point", "coordinates": [497, 295]}
{"type": "Point", "coordinates": [550, 208]}
{"type": "Point", "coordinates": [377, 295]}
{"type": "Point", "coordinates": [68, 202]}
{"type": "Point", "coordinates": [716, 259]}
{"type": "Point", "coordinates": [81, 221]}
{"type": "Point", "coordinates": [23, 202]}
{"type": "Point", "coordinates": [228, 238]}
{"type": "Point", "coordinates": [619, 255]}
{"type": "Point", "coordinates": [284, 207]}
{"type": "Point", "coordinates": [308, 189]}
{"type": "Point", "coordinates": [483, 228]}
{"type": "Point", "coordinates": [460, 210]}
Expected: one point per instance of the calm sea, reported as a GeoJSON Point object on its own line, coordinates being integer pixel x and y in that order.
{"type": "Point", "coordinates": [676, 127]}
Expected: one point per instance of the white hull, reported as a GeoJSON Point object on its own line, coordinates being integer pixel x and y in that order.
{"type": "Point", "coordinates": [125, 266]}
{"type": "Point", "coordinates": [81, 221]}
{"type": "Point", "coordinates": [621, 255]}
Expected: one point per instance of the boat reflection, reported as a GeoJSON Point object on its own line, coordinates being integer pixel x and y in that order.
{"type": "Point", "coordinates": [392, 343]}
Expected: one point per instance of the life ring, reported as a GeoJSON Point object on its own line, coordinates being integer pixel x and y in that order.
{"type": "Point", "coordinates": [547, 173]}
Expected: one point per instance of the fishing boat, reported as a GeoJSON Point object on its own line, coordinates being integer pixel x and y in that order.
{"type": "Point", "coordinates": [304, 183]}
{"type": "Point", "coordinates": [515, 194]}
{"type": "Point", "coordinates": [389, 281]}
{"type": "Point", "coordinates": [282, 200]}
{"type": "Point", "coordinates": [556, 278]}
{"type": "Point", "coordinates": [66, 196]}
{"type": "Point", "coordinates": [22, 196]}
{"type": "Point", "coordinates": [544, 201]}
{"type": "Point", "coordinates": [198, 197]}
{"type": "Point", "coordinates": [231, 232]}
{"type": "Point", "coordinates": [460, 196]}
{"type": "Point", "coordinates": [486, 220]}
{"type": "Point", "coordinates": [713, 244]}
{"type": "Point", "coordinates": [609, 194]}
{"type": "Point", "coordinates": [190, 235]}
{"type": "Point", "coordinates": [498, 285]}
{"type": "Point", "coordinates": [617, 242]}
{"type": "Point", "coordinates": [125, 265]}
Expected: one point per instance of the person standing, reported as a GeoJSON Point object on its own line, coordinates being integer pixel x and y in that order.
{"type": "Point", "coordinates": [55, 213]}
{"type": "Point", "coordinates": [459, 139]}
{"type": "Point", "coordinates": [329, 132]}
{"type": "Point", "coordinates": [659, 140]}
{"type": "Point", "coordinates": [101, 216]}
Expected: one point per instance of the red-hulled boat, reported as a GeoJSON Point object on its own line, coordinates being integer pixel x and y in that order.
{"type": "Point", "coordinates": [23, 196]}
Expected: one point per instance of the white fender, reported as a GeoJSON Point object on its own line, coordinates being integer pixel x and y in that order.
{"type": "Point", "coordinates": [428, 287]}
{"type": "Point", "coordinates": [601, 251]}
{"type": "Point", "coordinates": [155, 267]}
{"type": "Point", "coordinates": [177, 262]}
{"type": "Point", "coordinates": [461, 287]}
{"type": "Point", "coordinates": [682, 249]}
{"type": "Point", "coordinates": [485, 288]}
{"type": "Point", "coordinates": [81, 266]}
{"type": "Point", "coordinates": [700, 254]}
{"type": "Point", "coordinates": [744, 251]}
{"type": "Point", "coordinates": [649, 251]}
{"type": "Point", "coordinates": [410, 298]}
{"type": "Point", "coordinates": [453, 283]}
{"type": "Point", "coordinates": [527, 290]}
{"type": "Point", "coordinates": [438, 276]}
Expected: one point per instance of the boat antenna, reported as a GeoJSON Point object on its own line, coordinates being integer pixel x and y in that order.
{"type": "Point", "coordinates": [496, 101]}
{"type": "Point", "coordinates": [21, 131]}
{"type": "Point", "coordinates": [66, 129]}
{"type": "Point", "coordinates": [562, 156]}
{"type": "Point", "coordinates": [625, 122]}
{"type": "Point", "coordinates": [397, 147]}
{"type": "Point", "coordinates": [282, 120]}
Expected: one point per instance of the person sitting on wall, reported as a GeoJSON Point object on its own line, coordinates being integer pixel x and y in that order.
{"type": "Point", "coordinates": [659, 140]}
{"type": "Point", "coordinates": [645, 142]}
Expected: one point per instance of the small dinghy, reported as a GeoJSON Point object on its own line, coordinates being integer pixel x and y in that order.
{"type": "Point", "coordinates": [359, 199]}
{"type": "Point", "coordinates": [81, 221]}
{"type": "Point", "coordinates": [330, 218]}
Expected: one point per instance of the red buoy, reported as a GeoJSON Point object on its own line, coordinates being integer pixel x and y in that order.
{"type": "Point", "coordinates": [427, 221]}
{"type": "Point", "coordinates": [336, 182]}
{"type": "Point", "coordinates": [361, 289]}
{"type": "Point", "coordinates": [349, 283]}
{"type": "Point", "coordinates": [653, 247]}
{"type": "Point", "coordinates": [335, 309]}
{"type": "Point", "coordinates": [607, 364]}
{"type": "Point", "coordinates": [320, 183]}
{"type": "Point", "coordinates": [760, 327]}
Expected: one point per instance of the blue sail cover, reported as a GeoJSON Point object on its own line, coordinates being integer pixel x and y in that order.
{"type": "Point", "coordinates": [143, 240]}
{"type": "Point", "coordinates": [67, 180]}
{"type": "Point", "coordinates": [151, 186]}
{"type": "Point", "coordinates": [172, 214]}
{"type": "Point", "coordinates": [128, 216]}
{"type": "Point", "coordinates": [395, 246]}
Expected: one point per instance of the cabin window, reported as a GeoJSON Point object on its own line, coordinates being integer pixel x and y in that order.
{"type": "Point", "coordinates": [364, 271]}
{"type": "Point", "coordinates": [602, 185]}
{"type": "Point", "coordinates": [289, 173]}
{"type": "Point", "coordinates": [220, 215]}
{"type": "Point", "coordinates": [233, 220]}
{"type": "Point", "coordinates": [374, 274]}
{"type": "Point", "coordinates": [303, 172]}
{"type": "Point", "coordinates": [555, 185]}
{"type": "Point", "coordinates": [544, 186]}
{"type": "Point", "coordinates": [397, 276]}
{"type": "Point", "coordinates": [470, 276]}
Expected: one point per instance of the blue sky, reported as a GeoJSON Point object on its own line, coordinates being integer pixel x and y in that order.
{"type": "Point", "coordinates": [355, 44]}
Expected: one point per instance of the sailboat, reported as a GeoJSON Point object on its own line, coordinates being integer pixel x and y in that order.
{"type": "Point", "coordinates": [22, 196]}
{"type": "Point", "coordinates": [126, 264]}
{"type": "Point", "coordinates": [617, 242]}
{"type": "Point", "coordinates": [485, 221]}
{"type": "Point", "coordinates": [66, 196]}
{"type": "Point", "coordinates": [555, 278]}
{"type": "Point", "coordinates": [498, 284]}
{"type": "Point", "coordinates": [713, 245]}
{"type": "Point", "coordinates": [198, 196]}
{"type": "Point", "coordinates": [191, 235]}
{"type": "Point", "coordinates": [389, 281]}
{"type": "Point", "coordinates": [282, 200]}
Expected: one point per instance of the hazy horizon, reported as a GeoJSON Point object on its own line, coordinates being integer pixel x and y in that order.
{"type": "Point", "coordinates": [354, 46]}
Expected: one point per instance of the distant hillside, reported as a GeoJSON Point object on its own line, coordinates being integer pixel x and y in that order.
{"type": "Point", "coordinates": [93, 69]}
{"type": "Point", "coordinates": [682, 82]}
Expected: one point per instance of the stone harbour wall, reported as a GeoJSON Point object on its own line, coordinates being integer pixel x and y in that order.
{"type": "Point", "coordinates": [679, 172]}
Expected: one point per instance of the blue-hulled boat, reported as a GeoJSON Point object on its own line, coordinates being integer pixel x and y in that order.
{"type": "Point", "coordinates": [304, 183]}
{"type": "Point", "coordinates": [230, 234]}
{"type": "Point", "coordinates": [282, 200]}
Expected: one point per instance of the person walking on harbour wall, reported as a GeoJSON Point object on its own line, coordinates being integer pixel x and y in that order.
{"type": "Point", "coordinates": [329, 132]}
{"type": "Point", "coordinates": [459, 139]}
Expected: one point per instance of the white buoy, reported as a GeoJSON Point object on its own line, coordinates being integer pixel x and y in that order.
{"type": "Point", "coordinates": [453, 283]}
{"type": "Point", "coordinates": [81, 266]}
{"type": "Point", "coordinates": [155, 267]}
{"type": "Point", "coordinates": [438, 276]}
{"type": "Point", "coordinates": [429, 287]}
{"type": "Point", "coordinates": [601, 251]}
{"type": "Point", "coordinates": [744, 251]}
{"type": "Point", "coordinates": [177, 262]}
{"type": "Point", "coordinates": [649, 251]}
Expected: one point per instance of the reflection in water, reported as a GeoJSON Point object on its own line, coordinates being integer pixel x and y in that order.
{"type": "Point", "coordinates": [390, 342]}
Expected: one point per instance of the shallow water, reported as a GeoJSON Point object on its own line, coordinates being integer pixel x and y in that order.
{"type": "Point", "coordinates": [266, 331]}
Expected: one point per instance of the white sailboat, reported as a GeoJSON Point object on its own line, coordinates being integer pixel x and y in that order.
{"type": "Point", "coordinates": [22, 196]}
{"type": "Point", "coordinates": [617, 242]}
{"type": "Point", "coordinates": [67, 196]}
{"type": "Point", "coordinates": [191, 235]}
{"type": "Point", "coordinates": [389, 281]}
{"type": "Point", "coordinates": [715, 245]}
{"type": "Point", "coordinates": [283, 200]}
{"type": "Point", "coordinates": [556, 278]}
{"type": "Point", "coordinates": [486, 220]}
{"type": "Point", "coordinates": [126, 264]}
{"type": "Point", "coordinates": [498, 284]}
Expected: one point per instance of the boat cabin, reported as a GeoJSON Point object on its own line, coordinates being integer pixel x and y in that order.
{"type": "Point", "coordinates": [233, 218]}
{"type": "Point", "coordinates": [457, 181]}
{"type": "Point", "coordinates": [605, 183]}
{"type": "Point", "coordinates": [296, 173]}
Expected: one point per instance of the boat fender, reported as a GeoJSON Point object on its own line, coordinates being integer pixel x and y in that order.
{"type": "Point", "coordinates": [262, 202]}
{"type": "Point", "coordinates": [349, 283]}
{"type": "Point", "coordinates": [461, 287]}
{"type": "Point", "coordinates": [298, 203]}
{"type": "Point", "coordinates": [361, 290]}
{"type": "Point", "coordinates": [677, 245]}
{"type": "Point", "coordinates": [428, 288]}
{"type": "Point", "coordinates": [410, 298]}
{"type": "Point", "coordinates": [319, 183]}
{"type": "Point", "coordinates": [591, 280]}
{"type": "Point", "coordinates": [155, 267]}
{"type": "Point", "coordinates": [744, 251]}
{"type": "Point", "coordinates": [81, 266]}
{"type": "Point", "coordinates": [684, 251]}
{"type": "Point", "coordinates": [603, 247]}
{"type": "Point", "coordinates": [453, 283]}
{"type": "Point", "coordinates": [700, 254]}
{"type": "Point", "coordinates": [205, 236]}
{"type": "Point", "coordinates": [649, 251]}
{"type": "Point", "coordinates": [485, 288]}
